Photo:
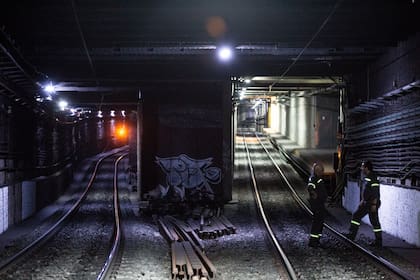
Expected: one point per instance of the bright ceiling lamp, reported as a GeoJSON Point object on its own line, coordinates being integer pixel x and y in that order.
{"type": "Point", "coordinates": [62, 104]}
{"type": "Point", "coordinates": [49, 88]}
{"type": "Point", "coordinates": [225, 53]}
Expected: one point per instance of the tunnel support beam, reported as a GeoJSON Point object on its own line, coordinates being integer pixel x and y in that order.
{"type": "Point", "coordinates": [138, 150]}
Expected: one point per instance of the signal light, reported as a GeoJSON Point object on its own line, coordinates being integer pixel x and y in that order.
{"type": "Point", "coordinates": [121, 132]}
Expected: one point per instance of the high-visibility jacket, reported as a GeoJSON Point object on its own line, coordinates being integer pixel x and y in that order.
{"type": "Point", "coordinates": [316, 189]}
{"type": "Point", "coordinates": [371, 188]}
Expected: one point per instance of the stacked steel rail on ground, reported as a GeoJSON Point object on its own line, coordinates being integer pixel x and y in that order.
{"type": "Point", "coordinates": [187, 249]}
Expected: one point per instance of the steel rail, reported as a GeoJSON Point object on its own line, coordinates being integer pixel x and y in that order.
{"type": "Point", "coordinates": [105, 271]}
{"type": "Point", "coordinates": [57, 226]}
{"type": "Point", "coordinates": [286, 262]}
{"type": "Point", "coordinates": [385, 263]}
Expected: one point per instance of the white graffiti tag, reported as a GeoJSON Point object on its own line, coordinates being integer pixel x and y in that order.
{"type": "Point", "coordinates": [183, 172]}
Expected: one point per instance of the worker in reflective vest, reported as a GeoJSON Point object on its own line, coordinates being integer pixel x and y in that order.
{"type": "Point", "coordinates": [317, 198]}
{"type": "Point", "coordinates": [369, 205]}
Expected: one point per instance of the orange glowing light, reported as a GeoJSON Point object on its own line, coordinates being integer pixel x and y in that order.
{"type": "Point", "coordinates": [216, 26]}
{"type": "Point", "coordinates": [122, 132]}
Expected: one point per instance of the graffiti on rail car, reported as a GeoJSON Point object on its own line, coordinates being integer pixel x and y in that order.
{"type": "Point", "coordinates": [187, 178]}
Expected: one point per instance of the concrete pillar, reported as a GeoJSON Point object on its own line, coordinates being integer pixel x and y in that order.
{"type": "Point", "coordinates": [15, 203]}
{"type": "Point", "coordinates": [227, 141]}
{"type": "Point", "coordinates": [28, 198]}
{"type": "Point", "coordinates": [284, 118]}
{"type": "Point", "coordinates": [235, 130]}
{"type": "Point", "coordinates": [43, 144]}
{"type": "Point", "coordinates": [4, 208]}
{"type": "Point", "coordinates": [56, 144]}
{"type": "Point", "coordinates": [139, 135]}
{"type": "Point", "coordinates": [292, 135]}
{"type": "Point", "coordinates": [304, 121]}
{"type": "Point", "coordinates": [274, 115]}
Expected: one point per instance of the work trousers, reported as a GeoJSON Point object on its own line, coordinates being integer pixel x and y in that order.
{"type": "Point", "coordinates": [319, 211]}
{"type": "Point", "coordinates": [362, 210]}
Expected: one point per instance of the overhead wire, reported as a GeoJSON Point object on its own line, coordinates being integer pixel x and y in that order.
{"type": "Point", "coordinates": [79, 28]}
{"type": "Point", "coordinates": [83, 39]}
{"type": "Point", "coordinates": [324, 23]}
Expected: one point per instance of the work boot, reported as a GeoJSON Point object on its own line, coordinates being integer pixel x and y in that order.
{"type": "Point", "coordinates": [352, 232]}
{"type": "Point", "coordinates": [377, 243]}
{"type": "Point", "coordinates": [378, 237]}
{"type": "Point", "coordinates": [350, 235]}
{"type": "Point", "coordinates": [313, 242]}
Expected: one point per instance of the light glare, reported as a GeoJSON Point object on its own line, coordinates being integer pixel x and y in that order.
{"type": "Point", "coordinates": [49, 88]}
{"type": "Point", "coordinates": [225, 53]}
{"type": "Point", "coordinates": [62, 104]}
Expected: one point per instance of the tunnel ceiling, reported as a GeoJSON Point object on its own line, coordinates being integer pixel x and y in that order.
{"type": "Point", "coordinates": [93, 48]}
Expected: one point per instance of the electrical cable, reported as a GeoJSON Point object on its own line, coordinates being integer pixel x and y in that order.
{"type": "Point", "coordinates": [337, 4]}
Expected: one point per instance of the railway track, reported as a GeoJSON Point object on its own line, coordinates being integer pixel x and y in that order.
{"type": "Point", "coordinates": [288, 268]}
{"type": "Point", "coordinates": [289, 212]}
{"type": "Point", "coordinates": [77, 244]}
{"type": "Point", "coordinates": [142, 254]}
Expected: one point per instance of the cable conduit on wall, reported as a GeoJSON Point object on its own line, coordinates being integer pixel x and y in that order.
{"type": "Point", "coordinates": [389, 136]}
{"type": "Point", "coordinates": [408, 112]}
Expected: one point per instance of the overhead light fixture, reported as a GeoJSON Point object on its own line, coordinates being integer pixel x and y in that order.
{"type": "Point", "coordinates": [63, 104]}
{"type": "Point", "coordinates": [112, 114]}
{"type": "Point", "coordinates": [225, 53]}
{"type": "Point", "coordinates": [49, 88]}
{"type": "Point", "coordinates": [247, 81]}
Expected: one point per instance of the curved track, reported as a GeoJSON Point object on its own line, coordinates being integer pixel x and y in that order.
{"type": "Point", "coordinates": [77, 244]}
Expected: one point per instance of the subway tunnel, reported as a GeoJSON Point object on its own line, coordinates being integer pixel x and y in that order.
{"type": "Point", "coordinates": [184, 92]}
